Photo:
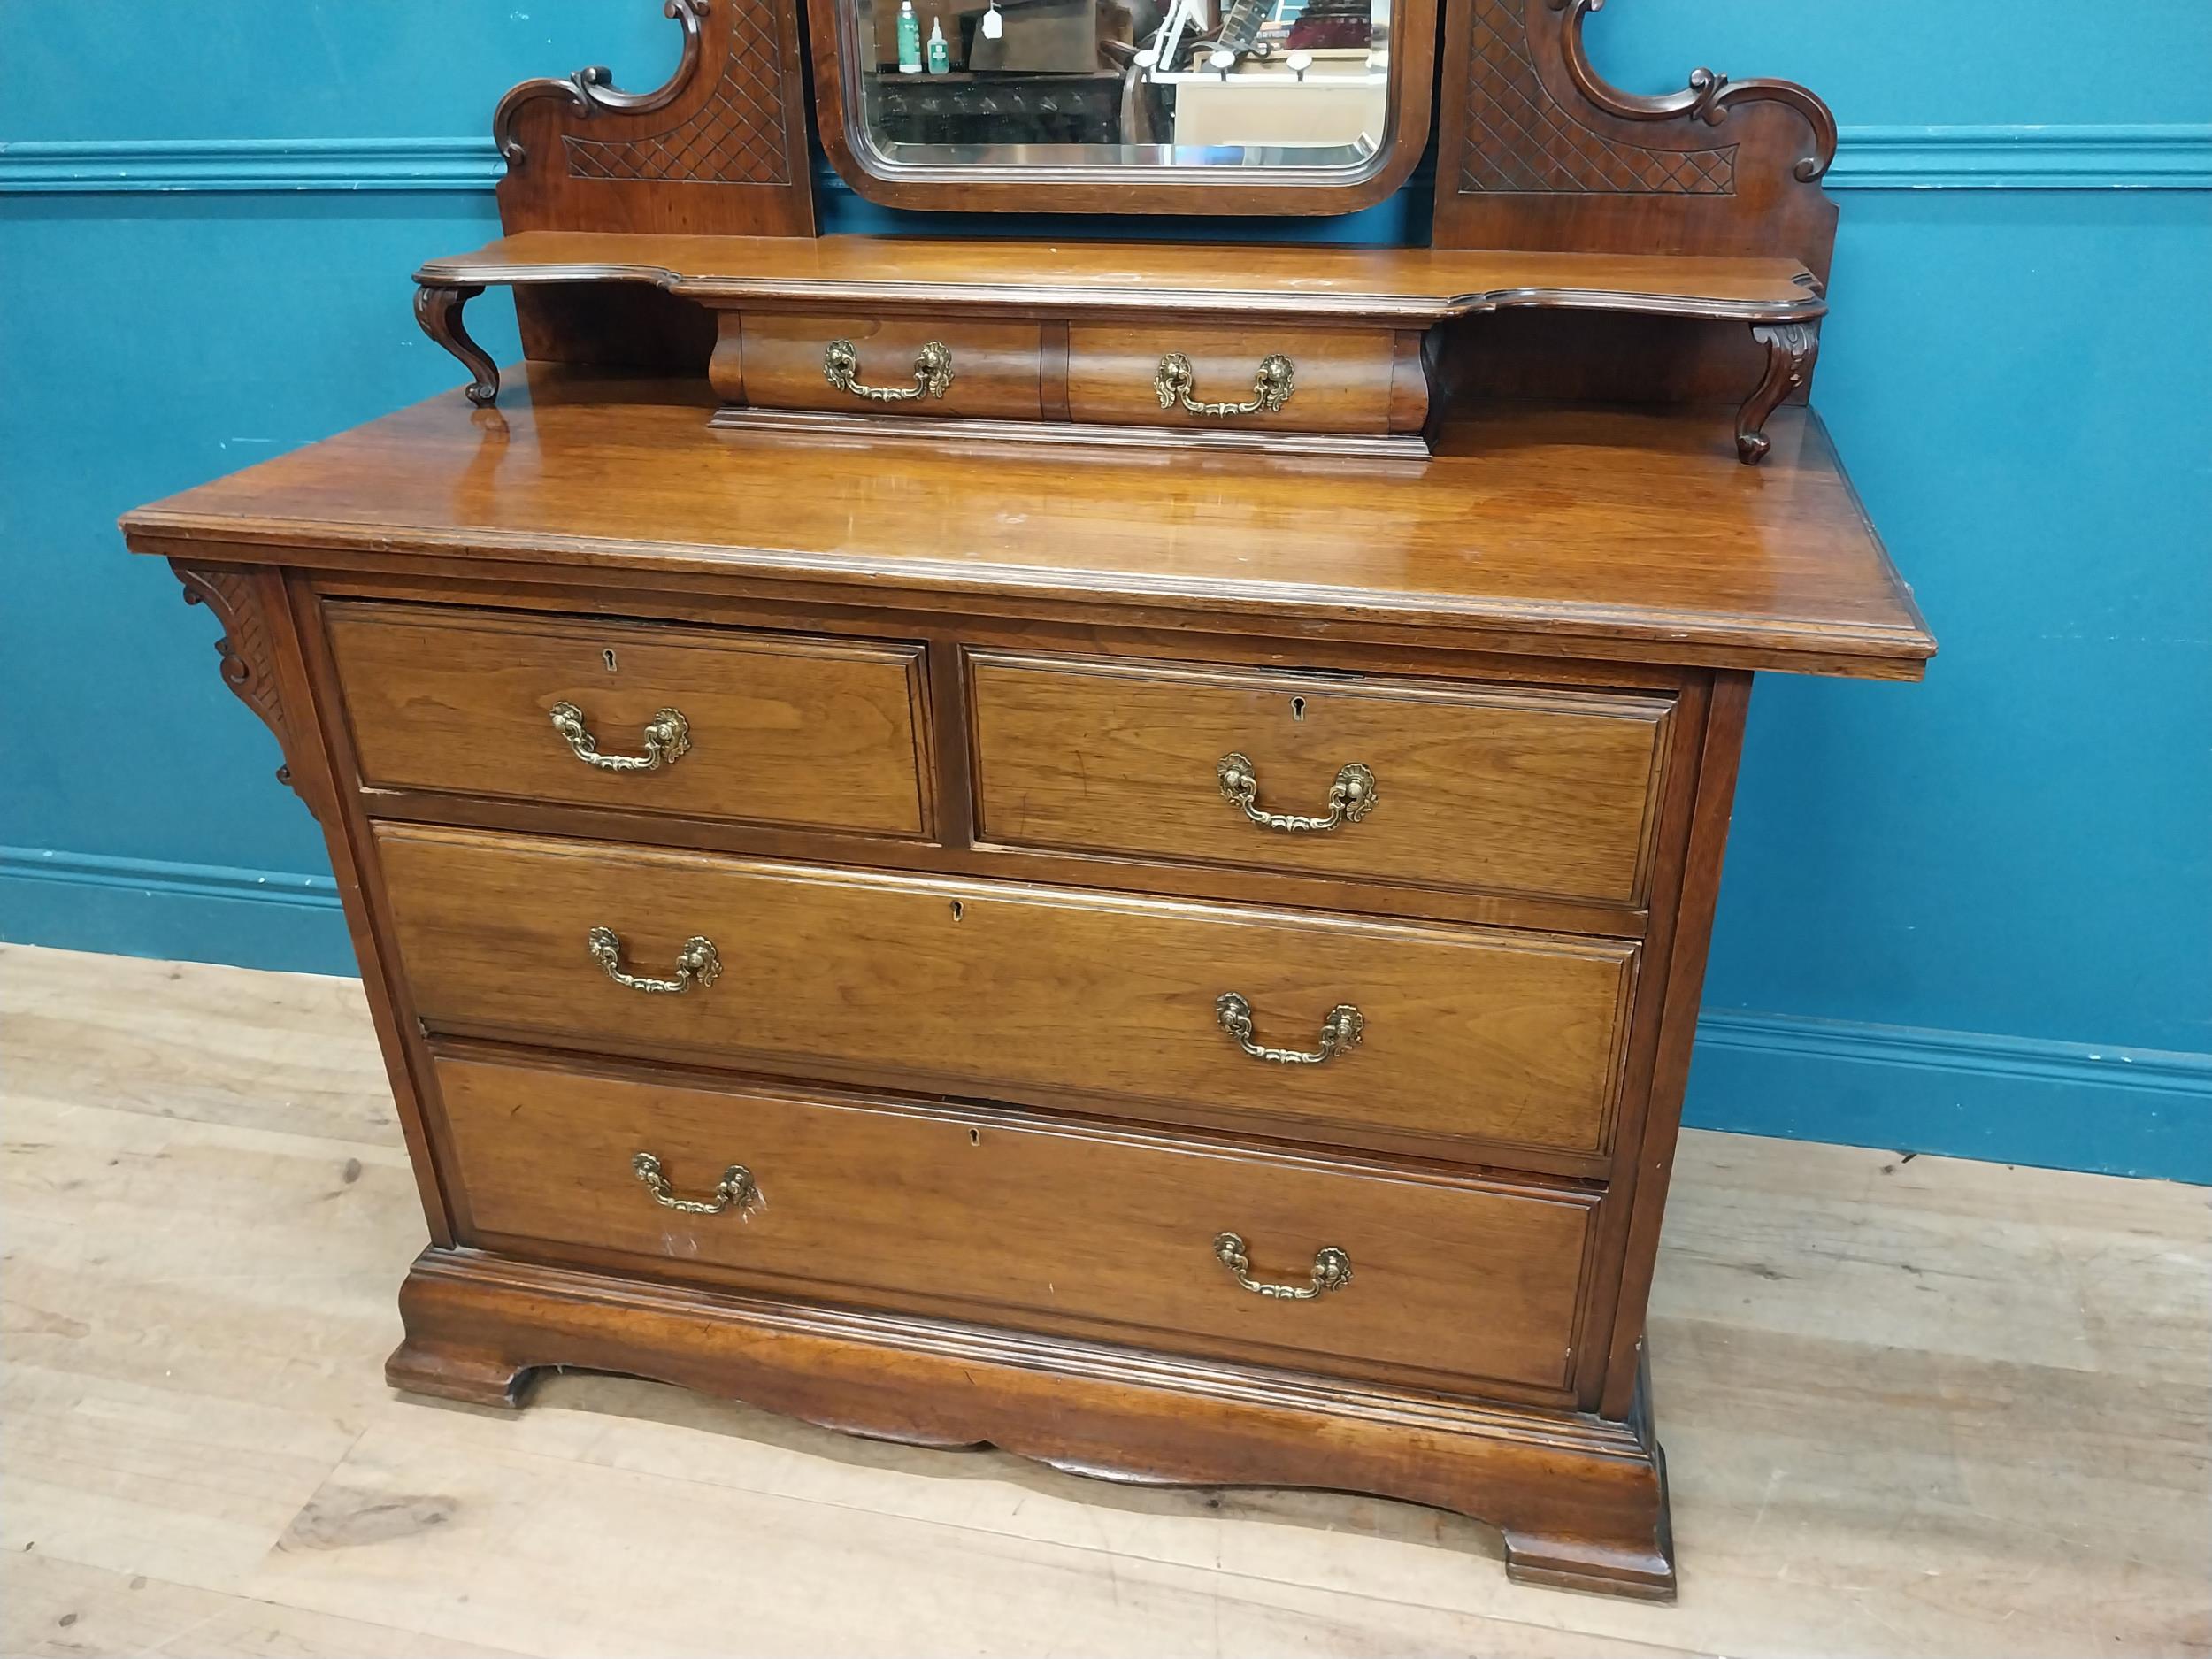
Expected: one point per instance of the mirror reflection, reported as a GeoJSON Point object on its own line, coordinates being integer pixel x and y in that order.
{"type": "Point", "coordinates": [1208, 83]}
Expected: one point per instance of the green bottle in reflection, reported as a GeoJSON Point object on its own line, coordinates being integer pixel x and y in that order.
{"type": "Point", "coordinates": [940, 54]}
{"type": "Point", "coordinates": [910, 39]}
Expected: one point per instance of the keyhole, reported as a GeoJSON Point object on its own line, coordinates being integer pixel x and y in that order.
{"type": "Point", "coordinates": [608, 656]}
{"type": "Point", "coordinates": [1297, 708]}
{"type": "Point", "coordinates": [956, 910]}
{"type": "Point", "coordinates": [975, 1137]}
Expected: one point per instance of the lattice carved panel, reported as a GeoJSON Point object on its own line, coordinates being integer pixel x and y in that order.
{"type": "Point", "coordinates": [1521, 141]}
{"type": "Point", "coordinates": [737, 137]}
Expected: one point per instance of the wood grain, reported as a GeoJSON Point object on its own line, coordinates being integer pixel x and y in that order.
{"type": "Point", "coordinates": [995, 366]}
{"type": "Point", "coordinates": [984, 1214]}
{"type": "Point", "coordinates": [1292, 282]}
{"type": "Point", "coordinates": [2022, 1358]}
{"type": "Point", "coordinates": [1020, 992]}
{"type": "Point", "coordinates": [817, 733]}
{"type": "Point", "coordinates": [1491, 788]}
{"type": "Point", "coordinates": [1620, 535]}
{"type": "Point", "coordinates": [1342, 383]}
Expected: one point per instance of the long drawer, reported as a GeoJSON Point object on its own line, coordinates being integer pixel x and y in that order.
{"type": "Point", "coordinates": [772, 729]}
{"type": "Point", "coordinates": [1018, 993]}
{"type": "Point", "coordinates": [1509, 789]}
{"type": "Point", "coordinates": [1026, 1221]}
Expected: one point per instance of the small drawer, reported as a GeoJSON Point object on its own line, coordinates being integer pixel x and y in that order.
{"type": "Point", "coordinates": [1472, 788]}
{"type": "Point", "coordinates": [1025, 1221]}
{"type": "Point", "coordinates": [1415, 1035]}
{"type": "Point", "coordinates": [767, 728]}
{"type": "Point", "coordinates": [987, 369]}
{"type": "Point", "coordinates": [1338, 380]}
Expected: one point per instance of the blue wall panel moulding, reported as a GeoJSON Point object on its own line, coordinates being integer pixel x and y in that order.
{"type": "Point", "coordinates": [2174, 157]}
{"type": "Point", "coordinates": [153, 907]}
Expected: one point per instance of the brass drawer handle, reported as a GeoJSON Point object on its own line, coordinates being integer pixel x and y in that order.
{"type": "Point", "coordinates": [1351, 797]}
{"type": "Point", "coordinates": [1332, 1270]}
{"type": "Point", "coordinates": [697, 964]}
{"type": "Point", "coordinates": [736, 1189]}
{"type": "Point", "coordinates": [667, 736]}
{"type": "Point", "coordinates": [1339, 1031]}
{"type": "Point", "coordinates": [1272, 387]}
{"type": "Point", "coordinates": [932, 373]}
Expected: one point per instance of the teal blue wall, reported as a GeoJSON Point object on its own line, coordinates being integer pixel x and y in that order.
{"type": "Point", "coordinates": [1973, 916]}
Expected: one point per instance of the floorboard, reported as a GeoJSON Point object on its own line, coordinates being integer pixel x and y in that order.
{"type": "Point", "coordinates": [1912, 1407]}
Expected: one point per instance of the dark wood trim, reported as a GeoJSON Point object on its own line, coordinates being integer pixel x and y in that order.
{"type": "Point", "coordinates": [591, 92]}
{"type": "Point", "coordinates": [1680, 989]}
{"type": "Point", "coordinates": [1582, 1502]}
{"type": "Point", "coordinates": [1792, 349]}
{"type": "Point", "coordinates": [1073, 188]}
{"type": "Point", "coordinates": [346, 835]}
{"type": "Point", "coordinates": [1707, 99]}
{"type": "Point", "coordinates": [1052, 370]}
{"type": "Point", "coordinates": [957, 433]}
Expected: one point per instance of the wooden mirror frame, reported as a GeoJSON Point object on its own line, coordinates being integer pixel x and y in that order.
{"type": "Point", "coordinates": [990, 187]}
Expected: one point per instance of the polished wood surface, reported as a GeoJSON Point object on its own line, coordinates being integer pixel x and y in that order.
{"type": "Point", "coordinates": [2006, 1371]}
{"type": "Point", "coordinates": [1621, 535]}
{"type": "Point", "coordinates": [816, 732]}
{"type": "Point", "coordinates": [718, 148]}
{"type": "Point", "coordinates": [985, 1215]}
{"type": "Point", "coordinates": [1343, 384]}
{"type": "Point", "coordinates": [995, 366]}
{"type": "Point", "coordinates": [956, 933]}
{"type": "Point", "coordinates": [1536, 149]}
{"type": "Point", "coordinates": [1021, 993]}
{"type": "Point", "coordinates": [1490, 788]}
{"type": "Point", "coordinates": [1296, 281]}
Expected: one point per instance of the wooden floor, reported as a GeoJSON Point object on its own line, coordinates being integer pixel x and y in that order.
{"type": "Point", "coordinates": [1911, 1406]}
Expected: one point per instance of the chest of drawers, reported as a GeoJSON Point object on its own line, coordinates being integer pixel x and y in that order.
{"type": "Point", "coordinates": [1197, 1008]}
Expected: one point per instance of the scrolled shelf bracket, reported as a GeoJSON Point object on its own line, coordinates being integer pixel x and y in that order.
{"type": "Point", "coordinates": [1791, 350]}
{"type": "Point", "coordinates": [438, 309]}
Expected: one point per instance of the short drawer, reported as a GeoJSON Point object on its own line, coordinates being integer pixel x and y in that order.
{"type": "Point", "coordinates": [768, 728]}
{"type": "Point", "coordinates": [1496, 789]}
{"type": "Point", "coordinates": [989, 369]}
{"type": "Point", "coordinates": [1026, 1221]}
{"type": "Point", "coordinates": [1016, 992]}
{"type": "Point", "coordinates": [1340, 379]}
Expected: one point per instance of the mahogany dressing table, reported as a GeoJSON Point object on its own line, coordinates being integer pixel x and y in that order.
{"type": "Point", "coordinates": [1100, 847]}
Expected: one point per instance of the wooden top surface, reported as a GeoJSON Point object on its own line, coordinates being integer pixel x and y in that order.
{"type": "Point", "coordinates": [1623, 535]}
{"type": "Point", "coordinates": [1310, 279]}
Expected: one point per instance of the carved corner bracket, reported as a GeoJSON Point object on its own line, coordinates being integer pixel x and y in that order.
{"type": "Point", "coordinates": [438, 309]}
{"type": "Point", "coordinates": [1791, 350]}
{"type": "Point", "coordinates": [1707, 99]}
{"type": "Point", "coordinates": [591, 92]}
{"type": "Point", "coordinates": [248, 650]}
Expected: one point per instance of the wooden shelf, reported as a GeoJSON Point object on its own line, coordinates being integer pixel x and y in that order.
{"type": "Point", "coordinates": [1407, 287]}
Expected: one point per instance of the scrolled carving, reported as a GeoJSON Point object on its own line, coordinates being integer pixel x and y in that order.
{"type": "Point", "coordinates": [591, 92]}
{"type": "Point", "coordinates": [1791, 351]}
{"type": "Point", "coordinates": [438, 309]}
{"type": "Point", "coordinates": [1707, 99]}
{"type": "Point", "coordinates": [248, 652]}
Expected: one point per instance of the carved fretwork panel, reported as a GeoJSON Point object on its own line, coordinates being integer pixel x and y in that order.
{"type": "Point", "coordinates": [1520, 138]}
{"type": "Point", "coordinates": [720, 149]}
{"type": "Point", "coordinates": [244, 601]}
{"type": "Point", "coordinates": [1538, 151]}
{"type": "Point", "coordinates": [738, 136]}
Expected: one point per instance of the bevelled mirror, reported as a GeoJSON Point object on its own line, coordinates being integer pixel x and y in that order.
{"type": "Point", "coordinates": [1197, 106]}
